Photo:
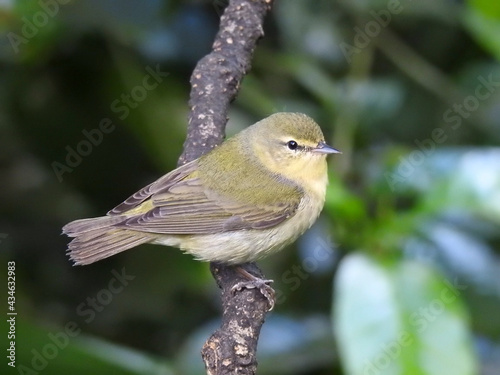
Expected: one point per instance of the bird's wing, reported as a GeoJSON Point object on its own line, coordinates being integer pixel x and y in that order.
{"type": "Point", "coordinates": [178, 203]}
{"type": "Point", "coordinates": [163, 183]}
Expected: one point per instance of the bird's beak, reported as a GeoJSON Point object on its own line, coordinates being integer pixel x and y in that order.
{"type": "Point", "coordinates": [323, 148]}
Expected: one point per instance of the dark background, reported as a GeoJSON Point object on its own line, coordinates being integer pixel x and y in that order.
{"type": "Point", "coordinates": [413, 205]}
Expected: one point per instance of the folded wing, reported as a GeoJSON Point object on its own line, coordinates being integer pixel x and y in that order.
{"type": "Point", "coordinates": [180, 204]}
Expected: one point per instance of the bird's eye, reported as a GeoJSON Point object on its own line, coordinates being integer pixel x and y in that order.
{"type": "Point", "coordinates": [292, 145]}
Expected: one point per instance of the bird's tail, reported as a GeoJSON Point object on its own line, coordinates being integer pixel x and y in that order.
{"type": "Point", "coordinates": [99, 238]}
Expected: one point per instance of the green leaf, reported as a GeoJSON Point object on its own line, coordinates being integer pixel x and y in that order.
{"type": "Point", "coordinates": [473, 186]}
{"type": "Point", "coordinates": [64, 351]}
{"type": "Point", "coordinates": [482, 19]}
{"type": "Point", "coordinates": [487, 7]}
{"type": "Point", "coordinates": [399, 318]}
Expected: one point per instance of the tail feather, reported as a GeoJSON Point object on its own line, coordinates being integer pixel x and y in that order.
{"type": "Point", "coordinates": [98, 238]}
{"type": "Point", "coordinates": [77, 227]}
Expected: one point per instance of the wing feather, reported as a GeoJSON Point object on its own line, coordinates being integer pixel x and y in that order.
{"type": "Point", "coordinates": [163, 183]}
{"type": "Point", "coordinates": [178, 204]}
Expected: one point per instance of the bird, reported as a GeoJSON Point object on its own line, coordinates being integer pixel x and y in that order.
{"type": "Point", "coordinates": [242, 201]}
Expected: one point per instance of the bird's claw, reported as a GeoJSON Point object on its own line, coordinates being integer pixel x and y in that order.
{"type": "Point", "coordinates": [263, 286]}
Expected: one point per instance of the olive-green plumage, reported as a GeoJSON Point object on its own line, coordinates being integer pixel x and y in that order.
{"type": "Point", "coordinates": [249, 197]}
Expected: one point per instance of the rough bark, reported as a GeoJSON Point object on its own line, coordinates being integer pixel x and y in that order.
{"type": "Point", "coordinates": [216, 79]}
{"type": "Point", "coordinates": [214, 85]}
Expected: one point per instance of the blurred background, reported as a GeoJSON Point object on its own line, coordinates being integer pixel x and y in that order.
{"type": "Point", "coordinates": [401, 274]}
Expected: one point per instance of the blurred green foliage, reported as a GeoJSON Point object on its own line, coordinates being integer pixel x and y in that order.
{"type": "Point", "coordinates": [408, 90]}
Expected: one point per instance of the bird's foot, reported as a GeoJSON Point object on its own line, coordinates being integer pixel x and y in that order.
{"type": "Point", "coordinates": [256, 282]}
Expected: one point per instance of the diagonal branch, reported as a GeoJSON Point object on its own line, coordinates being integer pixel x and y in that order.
{"type": "Point", "coordinates": [216, 79]}
{"type": "Point", "coordinates": [214, 85]}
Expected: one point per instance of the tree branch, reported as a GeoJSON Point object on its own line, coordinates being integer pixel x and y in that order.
{"type": "Point", "coordinates": [216, 79]}
{"type": "Point", "coordinates": [214, 85]}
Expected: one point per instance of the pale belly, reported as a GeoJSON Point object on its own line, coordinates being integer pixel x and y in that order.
{"type": "Point", "coordinates": [242, 246]}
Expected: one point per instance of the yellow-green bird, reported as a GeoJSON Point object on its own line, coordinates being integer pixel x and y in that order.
{"type": "Point", "coordinates": [247, 198]}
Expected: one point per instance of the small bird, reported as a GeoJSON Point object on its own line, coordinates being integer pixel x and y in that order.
{"type": "Point", "coordinates": [245, 199]}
